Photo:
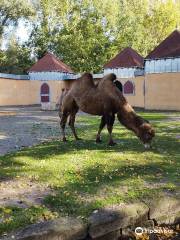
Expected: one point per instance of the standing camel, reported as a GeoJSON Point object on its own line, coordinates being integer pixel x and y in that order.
{"type": "Point", "coordinates": [104, 100]}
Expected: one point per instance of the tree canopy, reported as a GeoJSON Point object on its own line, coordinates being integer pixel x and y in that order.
{"type": "Point", "coordinates": [86, 33]}
{"type": "Point", "coordinates": [12, 11]}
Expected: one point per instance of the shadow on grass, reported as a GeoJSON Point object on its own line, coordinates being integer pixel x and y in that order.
{"type": "Point", "coordinates": [99, 184]}
{"type": "Point", "coordinates": [79, 197]}
{"type": "Point", "coordinates": [10, 166]}
{"type": "Point", "coordinates": [126, 143]}
{"type": "Point", "coordinates": [72, 198]}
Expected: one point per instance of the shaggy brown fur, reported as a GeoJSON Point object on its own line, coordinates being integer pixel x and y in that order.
{"type": "Point", "coordinates": [104, 100]}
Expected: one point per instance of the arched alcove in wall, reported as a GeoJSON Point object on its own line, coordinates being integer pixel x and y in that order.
{"type": "Point", "coordinates": [128, 88]}
{"type": "Point", "coordinates": [45, 93]}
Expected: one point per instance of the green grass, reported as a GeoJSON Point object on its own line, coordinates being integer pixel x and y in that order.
{"type": "Point", "coordinates": [86, 176]}
{"type": "Point", "coordinates": [13, 217]}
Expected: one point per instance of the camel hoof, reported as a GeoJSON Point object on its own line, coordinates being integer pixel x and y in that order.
{"type": "Point", "coordinates": [111, 143]}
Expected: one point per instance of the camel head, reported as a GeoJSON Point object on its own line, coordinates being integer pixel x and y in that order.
{"type": "Point", "coordinates": [140, 126]}
{"type": "Point", "coordinates": [146, 134]}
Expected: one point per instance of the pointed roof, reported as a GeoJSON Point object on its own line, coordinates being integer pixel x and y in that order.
{"type": "Point", "coordinates": [50, 63]}
{"type": "Point", "coordinates": [126, 58]}
{"type": "Point", "coordinates": [170, 47]}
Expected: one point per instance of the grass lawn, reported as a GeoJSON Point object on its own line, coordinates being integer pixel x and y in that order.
{"type": "Point", "coordinates": [85, 176]}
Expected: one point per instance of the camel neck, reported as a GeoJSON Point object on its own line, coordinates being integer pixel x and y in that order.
{"type": "Point", "coordinates": [128, 117]}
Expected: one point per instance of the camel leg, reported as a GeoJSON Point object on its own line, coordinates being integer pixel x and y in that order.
{"type": "Point", "coordinates": [71, 124]}
{"type": "Point", "coordinates": [110, 121]}
{"type": "Point", "coordinates": [101, 126]}
{"type": "Point", "coordinates": [63, 125]}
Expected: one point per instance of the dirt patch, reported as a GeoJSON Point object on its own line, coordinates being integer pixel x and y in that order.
{"type": "Point", "coordinates": [22, 193]}
{"type": "Point", "coordinates": [26, 126]}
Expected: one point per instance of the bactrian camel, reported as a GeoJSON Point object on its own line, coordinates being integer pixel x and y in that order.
{"type": "Point", "coordinates": [103, 99]}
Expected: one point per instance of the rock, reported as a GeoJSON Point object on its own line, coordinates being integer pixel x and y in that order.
{"type": "Point", "coordinates": [59, 229]}
{"type": "Point", "coordinates": [176, 237]}
{"type": "Point", "coordinates": [165, 210]}
{"type": "Point", "coordinates": [153, 236]}
{"type": "Point", "coordinates": [127, 233]}
{"type": "Point", "coordinates": [126, 238]}
{"type": "Point", "coordinates": [110, 236]}
{"type": "Point", "coordinates": [148, 224]}
{"type": "Point", "coordinates": [113, 218]}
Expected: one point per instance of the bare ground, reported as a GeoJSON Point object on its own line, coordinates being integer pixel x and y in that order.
{"type": "Point", "coordinates": [26, 126]}
{"type": "Point", "coordinates": [22, 193]}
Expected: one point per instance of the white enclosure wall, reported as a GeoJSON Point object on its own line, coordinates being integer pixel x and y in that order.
{"type": "Point", "coordinates": [162, 65]}
{"type": "Point", "coordinates": [123, 72]}
{"type": "Point", "coordinates": [49, 75]}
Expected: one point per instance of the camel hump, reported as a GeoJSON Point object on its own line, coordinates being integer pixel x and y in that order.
{"type": "Point", "coordinates": [107, 82]}
{"type": "Point", "coordinates": [82, 84]}
{"type": "Point", "coordinates": [110, 77]}
{"type": "Point", "coordinates": [86, 80]}
{"type": "Point", "coordinates": [87, 75]}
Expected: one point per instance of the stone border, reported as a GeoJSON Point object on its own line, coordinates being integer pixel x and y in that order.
{"type": "Point", "coordinates": [105, 224]}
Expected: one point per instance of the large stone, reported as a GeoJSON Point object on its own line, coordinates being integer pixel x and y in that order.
{"type": "Point", "coordinates": [148, 224]}
{"type": "Point", "coordinates": [114, 218]}
{"type": "Point", "coordinates": [110, 236]}
{"type": "Point", "coordinates": [127, 233]}
{"type": "Point", "coordinates": [165, 210]}
{"type": "Point", "coordinates": [59, 229]}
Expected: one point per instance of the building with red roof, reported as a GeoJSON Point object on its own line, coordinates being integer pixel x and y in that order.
{"type": "Point", "coordinates": [128, 58]}
{"type": "Point", "coordinates": [53, 76]}
{"type": "Point", "coordinates": [162, 74]}
{"type": "Point", "coordinates": [166, 56]}
{"type": "Point", "coordinates": [150, 83]}
{"type": "Point", "coordinates": [50, 63]}
{"type": "Point", "coordinates": [127, 65]}
{"type": "Point", "coordinates": [169, 48]}
{"type": "Point", "coordinates": [49, 67]}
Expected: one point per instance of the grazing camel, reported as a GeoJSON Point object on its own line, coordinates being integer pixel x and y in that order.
{"type": "Point", "coordinates": [103, 99]}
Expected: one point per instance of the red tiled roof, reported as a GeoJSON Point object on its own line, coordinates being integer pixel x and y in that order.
{"type": "Point", "coordinates": [170, 47]}
{"type": "Point", "coordinates": [127, 58]}
{"type": "Point", "coordinates": [50, 63]}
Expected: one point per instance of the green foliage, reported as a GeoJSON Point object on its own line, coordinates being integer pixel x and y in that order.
{"type": "Point", "coordinates": [77, 31]}
{"type": "Point", "coordinates": [143, 24]}
{"type": "Point", "coordinates": [82, 43]}
{"type": "Point", "coordinates": [86, 33]}
{"type": "Point", "coordinates": [16, 59]}
{"type": "Point", "coordinates": [14, 217]}
{"type": "Point", "coordinates": [12, 11]}
{"type": "Point", "coordinates": [42, 33]}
